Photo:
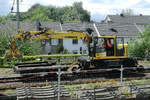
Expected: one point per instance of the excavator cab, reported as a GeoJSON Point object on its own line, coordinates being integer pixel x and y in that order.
{"type": "Point", "coordinates": [107, 52]}
{"type": "Point", "coordinates": [107, 47]}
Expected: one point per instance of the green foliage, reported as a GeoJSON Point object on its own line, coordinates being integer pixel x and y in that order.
{"type": "Point", "coordinates": [35, 12]}
{"type": "Point", "coordinates": [141, 48]}
{"type": "Point", "coordinates": [58, 49]}
{"type": "Point", "coordinates": [30, 48]}
{"type": "Point", "coordinates": [26, 47]}
{"type": "Point", "coordinates": [4, 43]}
{"type": "Point", "coordinates": [74, 13]}
{"type": "Point", "coordinates": [70, 58]}
{"type": "Point", "coordinates": [2, 19]}
{"type": "Point", "coordinates": [136, 49]}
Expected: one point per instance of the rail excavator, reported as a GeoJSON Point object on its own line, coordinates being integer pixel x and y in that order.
{"type": "Point", "coordinates": [103, 51]}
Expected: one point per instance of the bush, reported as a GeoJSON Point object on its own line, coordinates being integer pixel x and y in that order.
{"type": "Point", "coordinates": [30, 48]}
{"type": "Point", "coordinates": [60, 50]}
{"type": "Point", "coordinates": [136, 49]}
{"type": "Point", "coordinates": [141, 48]}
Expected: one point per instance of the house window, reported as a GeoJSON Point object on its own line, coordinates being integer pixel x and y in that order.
{"type": "Point", "coordinates": [54, 41]}
{"type": "Point", "coordinates": [84, 52]}
{"type": "Point", "coordinates": [74, 41]}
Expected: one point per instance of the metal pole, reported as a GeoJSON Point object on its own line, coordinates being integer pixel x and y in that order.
{"type": "Point", "coordinates": [18, 24]}
{"type": "Point", "coordinates": [59, 74]}
{"type": "Point", "coordinates": [94, 94]}
{"type": "Point", "coordinates": [121, 83]}
{"type": "Point", "coordinates": [18, 15]}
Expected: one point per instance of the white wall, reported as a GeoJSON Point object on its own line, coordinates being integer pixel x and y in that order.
{"type": "Point", "coordinates": [128, 39]}
{"type": "Point", "coordinates": [67, 43]}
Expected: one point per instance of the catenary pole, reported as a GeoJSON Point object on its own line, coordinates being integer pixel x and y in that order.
{"type": "Point", "coordinates": [18, 16]}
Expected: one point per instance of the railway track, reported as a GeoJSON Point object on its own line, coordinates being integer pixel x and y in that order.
{"type": "Point", "coordinates": [45, 72]}
{"type": "Point", "coordinates": [14, 85]}
{"type": "Point", "coordinates": [81, 77]}
{"type": "Point", "coordinates": [71, 76]}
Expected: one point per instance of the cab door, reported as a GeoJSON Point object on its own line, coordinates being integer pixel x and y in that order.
{"type": "Point", "coordinates": [105, 47]}
{"type": "Point", "coordinates": [100, 48]}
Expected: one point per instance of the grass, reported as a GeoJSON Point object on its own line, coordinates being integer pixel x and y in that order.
{"type": "Point", "coordinates": [137, 82]}
{"type": "Point", "coordinates": [111, 82]}
{"type": "Point", "coordinates": [6, 71]}
{"type": "Point", "coordinates": [144, 63]}
{"type": "Point", "coordinates": [8, 91]}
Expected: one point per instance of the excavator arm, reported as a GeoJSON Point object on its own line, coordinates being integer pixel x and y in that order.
{"type": "Point", "coordinates": [51, 34]}
{"type": "Point", "coordinates": [13, 51]}
{"type": "Point", "coordinates": [43, 35]}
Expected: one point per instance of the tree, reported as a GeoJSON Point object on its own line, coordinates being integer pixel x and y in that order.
{"type": "Point", "coordinates": [59, 49]}
{"type": "Point", "coordinates": [4, 44]}
{"type": "Point", "coordinates": [27, 48]}
{"type": "Point", "coordinates": [141, 48]}
{"type": "Point", "coordinates": [74, 13]}
{"type": "Point", "coordinates": [2, 19]}
{"type": "Point", "coordinates": [127, 12]}
{"type": "Point", "coordinates": [136, 49]}
{"type": "Point", "coordinates": [84, 15]}
{"type": "Point", "coordinates": [37, 11]}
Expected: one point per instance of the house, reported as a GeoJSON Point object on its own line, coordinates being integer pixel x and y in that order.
{"type": "Point", "coordinates": [126, 31]}
{"type": "Point", "coordinates": [128, 19]}
{"type": "Point", "coordinates": [127, 27]}
{"type": "Point", "coordinates": [73, 46]}
{"type": "Point", "coordinates": [139, 21]}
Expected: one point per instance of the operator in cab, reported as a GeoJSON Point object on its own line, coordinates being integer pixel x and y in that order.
{"type": "Point", "coordinates": [109, 47]}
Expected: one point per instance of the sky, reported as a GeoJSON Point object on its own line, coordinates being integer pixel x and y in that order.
{"type": "Point", "coordinates": [98, 9]}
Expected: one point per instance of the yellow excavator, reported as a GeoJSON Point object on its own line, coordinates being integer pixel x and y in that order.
{"type": "Point", "coordinates": [44, 34]}
{"type": "Point", "coordinates": [103, 51]}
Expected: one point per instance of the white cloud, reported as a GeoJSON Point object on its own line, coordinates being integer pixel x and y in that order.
{"type": "Point", "coordinates": [148, 1]}
{"type": "Point", "coordinates": [107, 8]}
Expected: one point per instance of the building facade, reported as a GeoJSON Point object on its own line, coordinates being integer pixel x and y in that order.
{"type": "Point", "coordinates": [127, 27]}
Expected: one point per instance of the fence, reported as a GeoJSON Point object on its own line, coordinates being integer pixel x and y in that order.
{"type": "Point", "coordinates": [80, 86]}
